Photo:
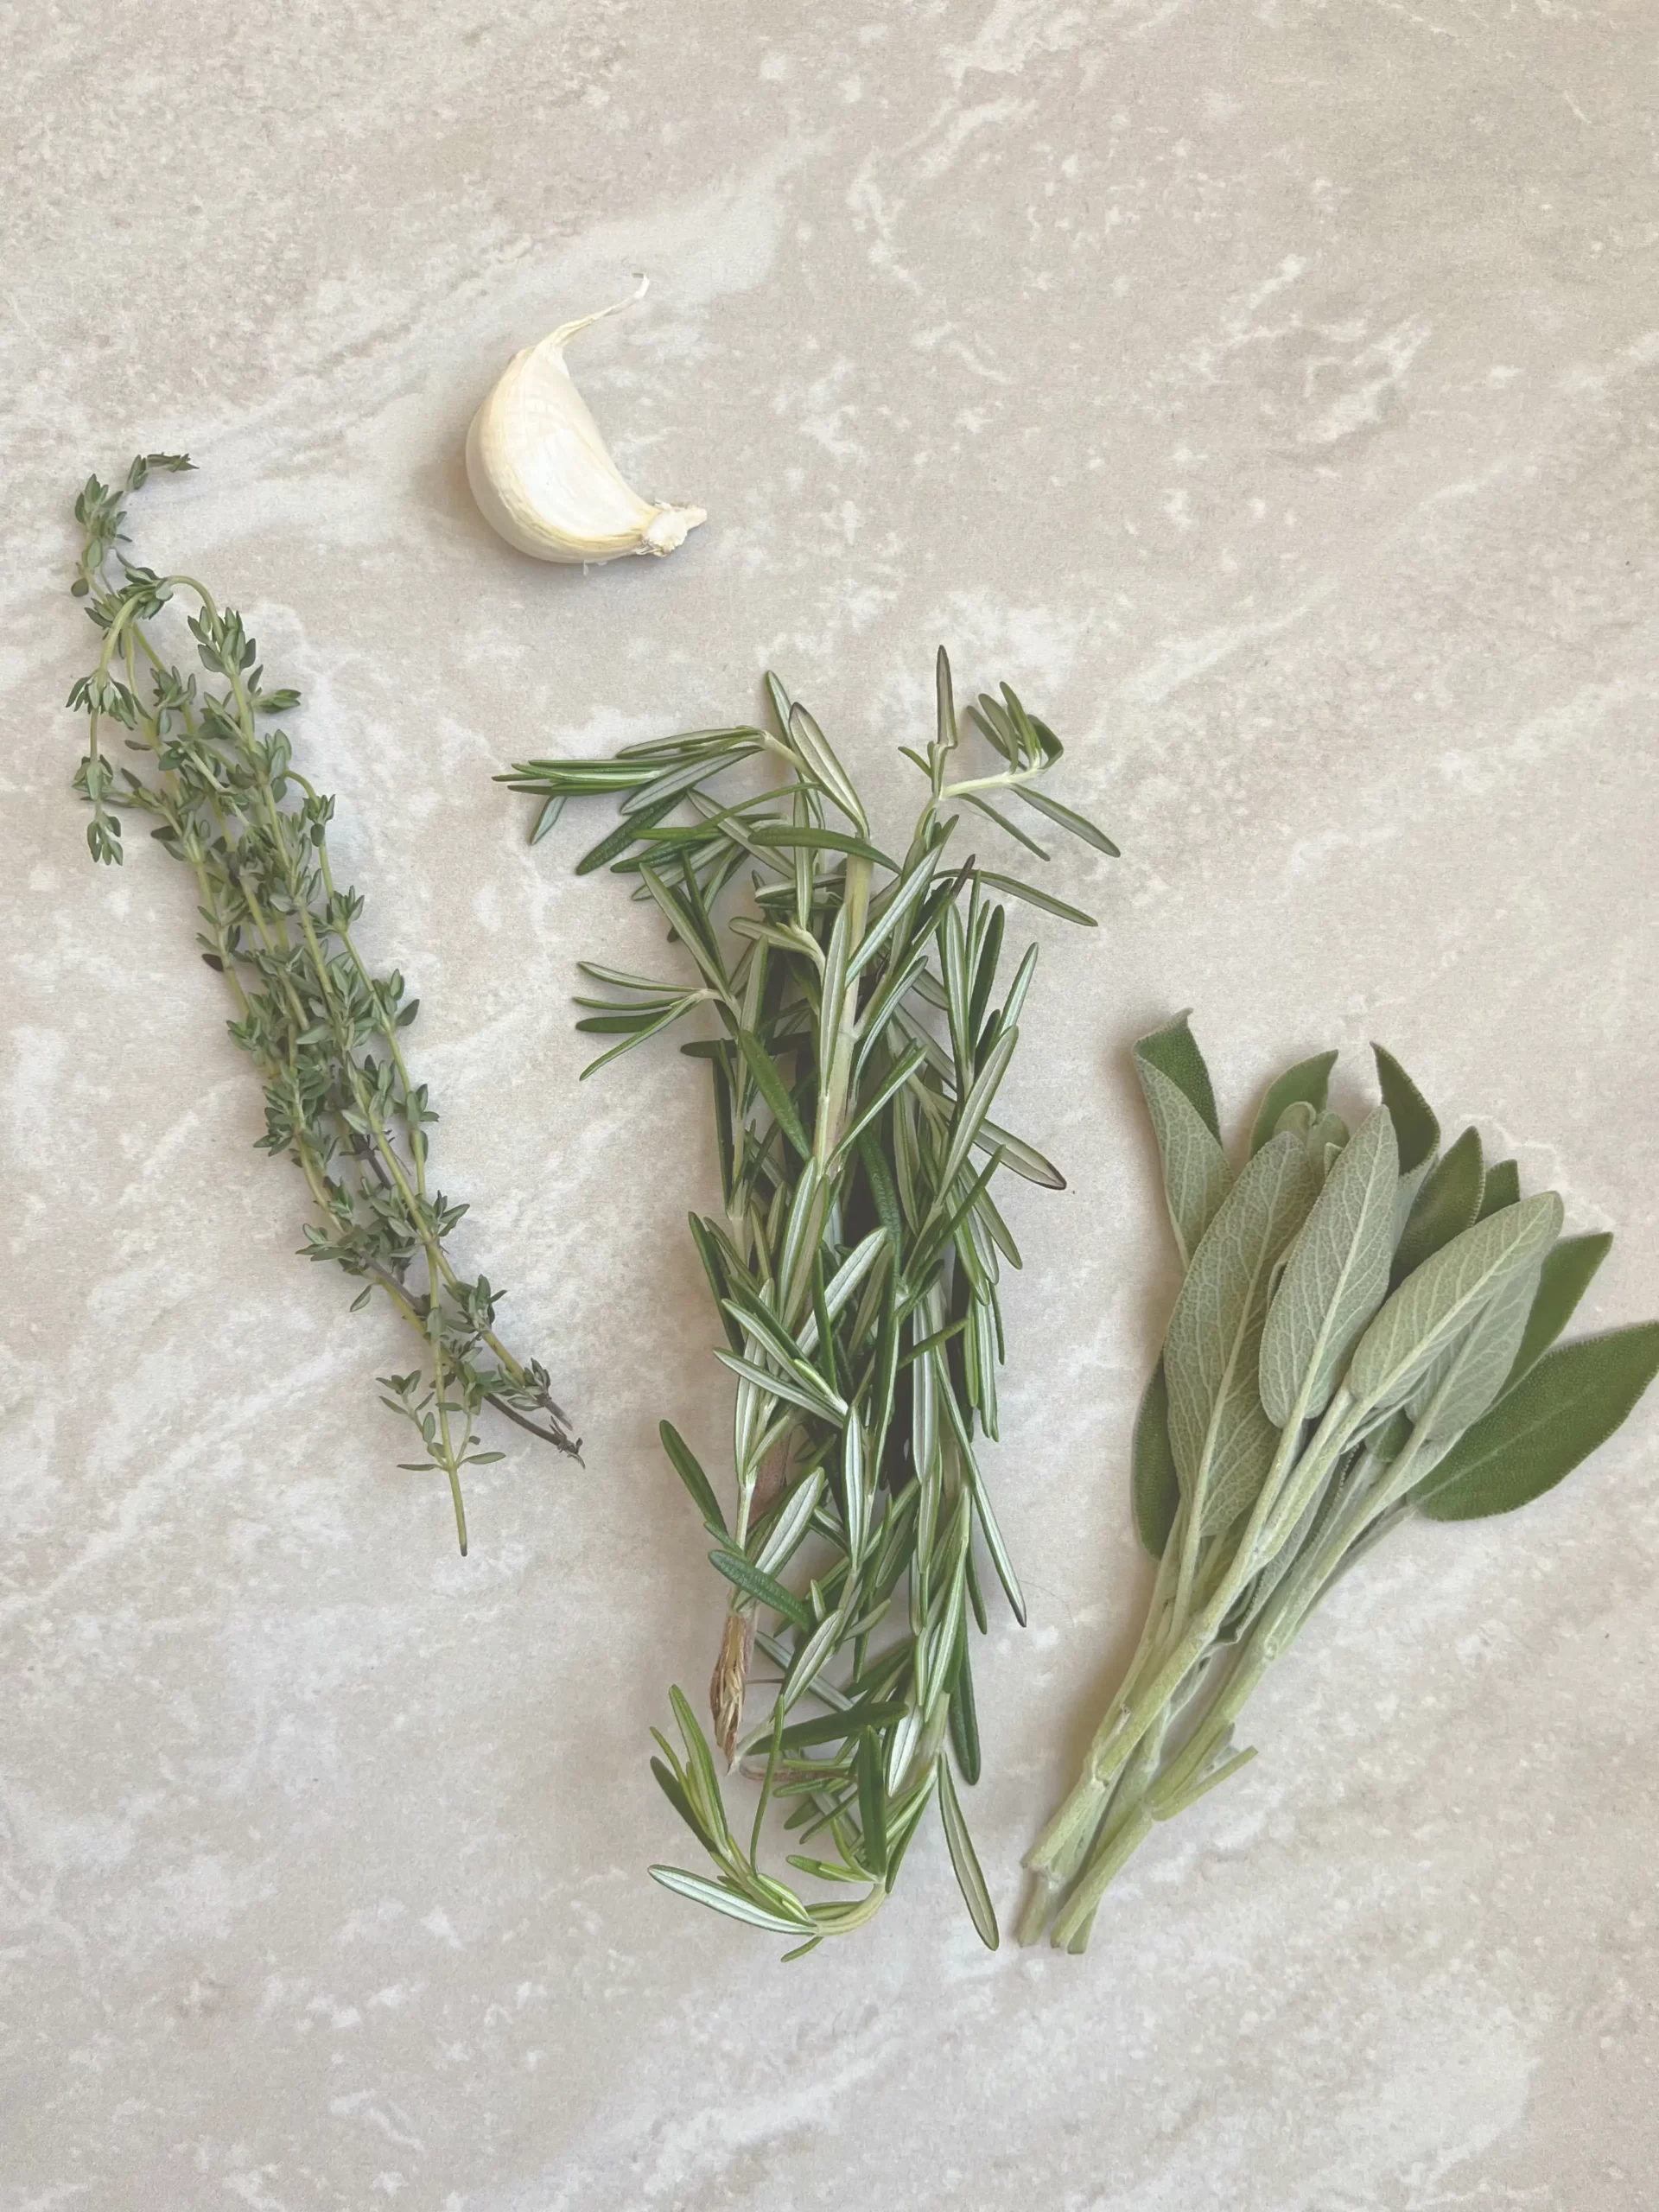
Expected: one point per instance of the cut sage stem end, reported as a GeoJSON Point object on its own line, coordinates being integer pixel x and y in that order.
{"type": "Point", "coordinates": [1367, 1327]}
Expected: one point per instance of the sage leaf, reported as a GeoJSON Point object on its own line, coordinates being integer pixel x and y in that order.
{"type": "Point", "coordinates": [1572, 1401]}
{"type": "Point", "coordinates": [1415, 1128]}
{"type": "Point", "coordinates": [1196, 1173]}
{"type": "Point", "coordinates": [1336, 1278]}
{"type": "Point", "coordinates": [1156, 1487]}
{"type": "Point", "coordinates": [1479, 1366]}
{"type": "Point", "coordinates": [1328, 1137]}
{"type": "Point", "coordinates": [1501, 1187]}
{"type": "Point", "coordinates": [1432, 1307]}
{"type": "Point", "coordinates": [969, 1879]}
{"type": "Point", "coordinates": [1568, 1273]}
{"type": "Point", "coordinates": [1444, 1206]}
{"type": "Point", "coordinates": [1173, 1051]}
{"type": "Point", "coordinates": [1450, 1399]}
{"type": "Point", "coordinates": [1176, 1086]}
{"type": "Point", "coordinates": [1308, 1081]}
{"type": "Point", "coordinates": [1223, 1441]}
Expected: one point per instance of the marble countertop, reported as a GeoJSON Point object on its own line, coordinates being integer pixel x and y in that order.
{"type": "Point", "coordinates": [1269, 394]}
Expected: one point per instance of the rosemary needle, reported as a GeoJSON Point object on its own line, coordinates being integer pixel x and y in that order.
{"type": "Point", "coordinates": [854, 1272]}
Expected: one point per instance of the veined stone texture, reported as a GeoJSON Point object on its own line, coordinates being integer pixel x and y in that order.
{"type": "Point", "coordinates": [1269, 392]}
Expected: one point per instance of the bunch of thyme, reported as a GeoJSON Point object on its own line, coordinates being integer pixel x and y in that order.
{"type": "Point", "coordinates": [1365, 1330]}
{"type": "Point", "coordinates": [325, 1034]}
{"type": "Point", "coordinates": [854, 1273]}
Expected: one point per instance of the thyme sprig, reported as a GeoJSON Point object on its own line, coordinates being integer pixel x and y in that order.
{"type": "Point", "coordinates": [325, 1034]}
{"type": "Point", "coordinates": [855, 1275]}
{"type": "Point", "coordinates": [1366, 1330]}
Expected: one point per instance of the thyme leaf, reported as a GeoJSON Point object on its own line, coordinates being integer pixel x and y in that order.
{"type": "Point", "coordinates": [325, 1034]}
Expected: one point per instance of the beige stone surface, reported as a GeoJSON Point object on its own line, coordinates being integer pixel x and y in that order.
{"type": "Point", "coordinates": [1268, 392]}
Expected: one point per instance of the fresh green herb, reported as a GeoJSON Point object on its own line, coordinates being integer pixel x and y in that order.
{"type": "Point", "coordinates": [326, 1035]}
{"type": "Point", "coordinates": [855, 1273]}
{"type": "Point", "coordinates": [1364, 1329]}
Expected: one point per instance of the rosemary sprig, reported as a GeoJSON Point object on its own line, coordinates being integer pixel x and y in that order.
{"type": "Point", "coordinates": [326, 1035]}
{"type": "Point", "coordinates": [856, 1273]}
{"type": "Point", "coordinates": [1365, 1330]}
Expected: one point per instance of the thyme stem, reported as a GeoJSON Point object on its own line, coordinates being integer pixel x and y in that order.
{"type": "Point", "coordinates": [324, 1033]}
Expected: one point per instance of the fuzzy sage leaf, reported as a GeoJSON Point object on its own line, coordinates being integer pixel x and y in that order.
{"type": "Point", "coordinates": [1445, 1395]}
{"type": "Point", "coordinates": [1223, 1437]}
{"type": "Point", "coordinates": [1336, 1278]}
{"type": "Point", "coordinates": [1562, 1408]}
{"type": "Point", "coordinates": [1181, 1105]}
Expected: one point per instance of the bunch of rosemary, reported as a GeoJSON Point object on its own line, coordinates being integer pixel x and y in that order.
{"type": "Point", "coordinates": [855, 1272]}
{"type": "Point", "coordinates": [1365, 1330]}
{"type": "Point", "coordinates": [325, 1034]}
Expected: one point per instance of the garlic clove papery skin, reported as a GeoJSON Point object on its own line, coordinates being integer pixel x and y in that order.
{"type": "Point", "coordinates": [542, 475]}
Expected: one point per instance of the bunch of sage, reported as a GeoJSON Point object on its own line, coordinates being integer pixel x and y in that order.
{"type": "Point", "coordinates": [325, 1034]}
{"type": "Point", "coordinates": [1366, 1329]}
{"type": "Point", "coordinates": [861, 1034]}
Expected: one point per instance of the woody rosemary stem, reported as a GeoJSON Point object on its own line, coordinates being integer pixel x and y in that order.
{"type": "Point", "coordinates": [855, 1272]}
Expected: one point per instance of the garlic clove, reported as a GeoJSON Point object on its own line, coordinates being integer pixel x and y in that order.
{"type": "Point", "coordinates": [542, 474]}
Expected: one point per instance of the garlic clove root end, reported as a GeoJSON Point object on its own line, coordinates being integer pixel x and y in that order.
{"type": "Point", "coordinates": [542, 475]}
